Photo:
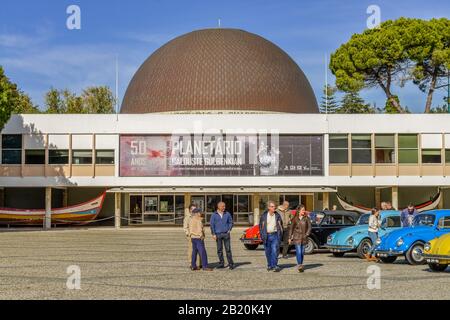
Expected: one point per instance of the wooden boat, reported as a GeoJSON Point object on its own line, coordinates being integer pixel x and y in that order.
{"type": "Point", "coordinates": [79, 214]}
{"type": "Point", "coordinates": [427, 205]}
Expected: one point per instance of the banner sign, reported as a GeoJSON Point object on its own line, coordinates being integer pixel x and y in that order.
{"type": "Point", "coordinates": [220, 155]}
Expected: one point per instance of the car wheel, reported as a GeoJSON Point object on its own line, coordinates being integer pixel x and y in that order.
{"type": "Point", "coordinates": [437, 267]}
{"type": "Point", "coordinates": [364, 248]}
{"type": "Point", "coordinates": [310, 246]}
{"type": "Point", "coordinates": [251, 246]}
{"type": "Point", "coordinates": [338, 254]}
{"type": "Point", "coordinates": [414, 254]}
{"type": "Point", "coordinates": [390, 259]}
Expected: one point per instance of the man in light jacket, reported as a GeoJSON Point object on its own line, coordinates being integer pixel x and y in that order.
{"type": "Point", "coordinates": [286, 216]}
{"type": "Point", "coordinates": [197, 235]}
{"type": "Point", "coordinates": [187, 219]}
{"type": "Point", "coordinates": [271, 231]}
{"type": "Point", "coordinates": [221, 224]}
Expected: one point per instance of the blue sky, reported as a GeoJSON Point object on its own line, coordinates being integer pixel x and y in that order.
{"type": "Point", "coordinates": [38, 51]}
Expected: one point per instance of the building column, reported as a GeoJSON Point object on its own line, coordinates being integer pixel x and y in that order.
{"type": "Point", "coordinates": [377, 197]}
{"type": "Point", "coordinates": [187, 203]}
{"type": "Point", "coordinates": [256, 213]}
{"type": "Point", "coordinates": [395, 197]}
{"type": "Point", "coordinates": [48, 208]}
{"type": "Point", "coordinates": [117, 209]}
{"type": "Point", "coordinates": [441, 201]}
{"type": "Point", "coordinates": [326, 201]}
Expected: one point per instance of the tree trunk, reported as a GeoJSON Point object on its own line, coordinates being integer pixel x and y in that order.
{"type": "Point", "coordinates": [431, 90]}
{"type": "Point", "coordinates": [390, 97]}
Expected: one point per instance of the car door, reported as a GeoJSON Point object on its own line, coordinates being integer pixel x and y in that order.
{"type": "Point", "coordinates": [330, 224]}
{"type": "Point", "coordinates": [443, 226]}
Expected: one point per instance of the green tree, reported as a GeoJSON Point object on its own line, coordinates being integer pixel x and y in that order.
{"type": "Point", "coordinates": [375, 58]}
{"type": "Point", "coordinates": [98, 100]}
{"type": "Point", "coordinates": [73, 103]}
{"type": "Point", "coordinates": [429, 50]}
{"type": "Point", "coordinates": [353, 103]}
{"type": "Point", "coordinates": [54, 102]}
{"type": "Point", "coordinates": [329, 103]}
{"type": "Point", "coordinates": [12, 100]}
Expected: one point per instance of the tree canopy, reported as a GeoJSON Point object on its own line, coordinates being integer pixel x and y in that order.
{"type": "Point", "coordinates": [396, 52]}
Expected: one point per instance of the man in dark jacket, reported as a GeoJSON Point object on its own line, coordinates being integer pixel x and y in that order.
{"type": "Point", "coordinates": [408, 216]}
{"type": "Point", "coordinates": [271, 231]}
{"type": "Point", "coordinates": [221, 225]}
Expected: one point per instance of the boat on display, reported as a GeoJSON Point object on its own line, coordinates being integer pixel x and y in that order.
{"type": "Point", "coordinates": [427, 205]}
{"type": "Point", "coordinates": [79, 214]}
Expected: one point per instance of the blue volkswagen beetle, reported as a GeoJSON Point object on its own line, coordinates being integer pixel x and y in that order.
{"type": "Point", "coordinates": [357, 239]}
{"type": "Point", "coordinates": [410, 241]}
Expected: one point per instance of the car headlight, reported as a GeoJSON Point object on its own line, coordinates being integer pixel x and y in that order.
{"type": "Point", "coordinates": [329, 239]}
{"type": "Point", "coordinates": [427, 246]}
{"type": "Point", "coordinates": [399, 242]}
{"type": "Point", "coordinates": [350, 240]}
{"type": "Point", "coordinates": [378, 242]}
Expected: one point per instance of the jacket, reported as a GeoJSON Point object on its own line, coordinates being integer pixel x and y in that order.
{"type": "Point", "coordinates": [196, 229]}
{"type": "Point", "coordinates": [374, 223]}
{"type": "Point", "coordinates": [221, 225]}
{"type": "Point", "coordinates": [406, 218]}
{"type": "Point", "coordinates": [263, 226]}
{"type": "Point", "coordinates": [300, 229]}
{"type": "Point", "coordinates": [285, 216]}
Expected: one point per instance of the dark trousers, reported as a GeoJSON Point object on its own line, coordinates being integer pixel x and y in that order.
{"type": "Point", "coordinates": [198, 246]}
{"type": "Point", "coordinates": [285, 241]}
{"type": "Point", "coordinates": [272, 248]}
{"type": "Point", "coordinates": [224, 239]}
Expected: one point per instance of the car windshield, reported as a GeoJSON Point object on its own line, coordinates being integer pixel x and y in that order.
{"type": "Point", "coordinates": [364, 219]}
{"type": "Point", "coordinates": [424, 220]}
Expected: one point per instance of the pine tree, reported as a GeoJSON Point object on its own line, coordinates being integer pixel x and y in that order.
{"type": "Point", "coordinates": [353, 103]}
{"type": "Point", "coordinates": [329, 103]}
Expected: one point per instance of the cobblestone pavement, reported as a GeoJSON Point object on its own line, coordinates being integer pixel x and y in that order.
{"type": "Point", "coordinates": [151, 263]}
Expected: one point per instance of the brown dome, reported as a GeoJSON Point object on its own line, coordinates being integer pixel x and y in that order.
{"type": "Point", "coordinates": [219, 69]}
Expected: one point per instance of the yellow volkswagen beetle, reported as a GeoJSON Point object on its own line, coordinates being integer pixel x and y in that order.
{"type": "Point", "coordinates": [437, 253]}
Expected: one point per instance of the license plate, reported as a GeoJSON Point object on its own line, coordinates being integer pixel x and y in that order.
{"type": "Point", "coordinates": [248, 242]}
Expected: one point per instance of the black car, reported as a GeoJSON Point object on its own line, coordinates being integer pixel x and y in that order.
{"type": "Point", "coordinates": [325, 223]}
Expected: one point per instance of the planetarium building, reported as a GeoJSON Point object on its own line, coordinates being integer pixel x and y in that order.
{"type": "Point", "coordinates": [221, 115]}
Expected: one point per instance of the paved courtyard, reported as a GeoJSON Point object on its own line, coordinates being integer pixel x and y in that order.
{"type": "Point", "coordinates": [151, 264]}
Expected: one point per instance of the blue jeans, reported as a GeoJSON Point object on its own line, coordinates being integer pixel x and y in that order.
{"type": "Point", "coordinates": [373, 237]}
{"type": "Point", "coordinates": [198, 246]}
{"type": "Point", "coordinates": [299, 253]}
{"type": "Point", "coordinates": [272, 247]}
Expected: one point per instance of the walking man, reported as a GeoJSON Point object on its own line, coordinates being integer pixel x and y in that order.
{"type": "Point", "coordinates": [221, 225]}
{"type": "Point", "coordinates": [271, 230]}
{"type": "Point", "coordinates": [186, 221]}
{"type": "Point", "coordinates": [285, 214]}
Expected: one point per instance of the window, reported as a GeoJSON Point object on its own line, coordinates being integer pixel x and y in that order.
{"type": "Point", "coordinates": [361, 148]}
{"type": "Point", "coordinates": [82, 156]}
{"type": "Point", "coordinates": [211, 202]}
{"type": "Point", "coordinates": [166, 204]}
{"type": "Point", "coordinates": [384, 148]}
{"type": "Point", "coordinates": [348, 220]}
{"type": "Point", "coordinates": [58, 156]}
{"type": "Point", "coordinates": [11, 149]}
{"type": "Point", "coordinates": [104, 156]}
{"type": "Point", "coordinates": [338, 148]}
{"type": "Point", "coordinates": [135, 204]}
{"type": "Point", "coordinates": [35, 156]}
{"type": "Point", "coordinates": [407, 148]}
{"type": "Point", "coordinates": [150, 203]}
{"type": "Point", "coordinates": [242, 203]}
{"type": "Point", "coordinates": [444, 223]}
{"type": "Point", "coordinates": [391, 222]}
{"type": "Point", "coordinates": [447, 156]}
{"type": "Point", "coordinates": [294, 200]}
{"type": "Point", "coordinates": [431, 156]}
